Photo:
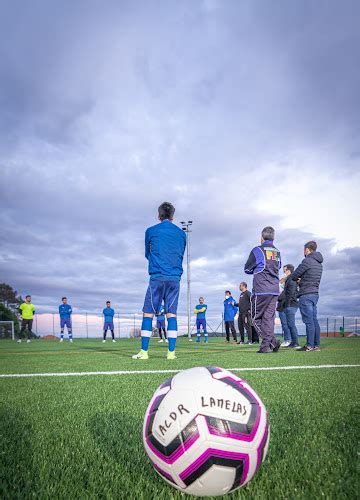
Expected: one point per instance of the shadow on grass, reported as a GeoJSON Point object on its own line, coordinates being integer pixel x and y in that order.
{"type": "Point", "coordinates": [18, 475]}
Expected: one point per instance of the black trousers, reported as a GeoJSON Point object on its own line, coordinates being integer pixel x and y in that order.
{"type": "Point", "coordinates": [263, 318]}
{"type": "Point", "coordinates": [112, 334]}
{"type": "Point", "coordinates": [244, 322]}
{"type": "Point", "coordinates": [26, 323]}
{"type": "Point", "coordinates": [229, 325]}
{"type": "Point", "coordinates": [160, 334]}
{"type": "Point", "coordinates": [254, 335]}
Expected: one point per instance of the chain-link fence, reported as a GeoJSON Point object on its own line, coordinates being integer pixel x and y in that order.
{"type": "Point", "coordinates": [90, 325]}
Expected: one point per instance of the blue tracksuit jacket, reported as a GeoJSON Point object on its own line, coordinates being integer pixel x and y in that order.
{"type": "Point", "coordinates": [108, 313]}
{"type": "Point", "coordinates": [264, 263]}
{"type": "Point", "coordinates": [65, 311]}
{"type": "Point", "coordinates": [229, 310]}
{"type": "Point", "coordinates": [201, 315]}
{"type": "Point", "coordinates": [164, 248]}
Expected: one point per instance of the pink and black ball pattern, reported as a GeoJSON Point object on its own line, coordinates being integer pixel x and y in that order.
{"type": "Point", "coordinates": [209, 438]}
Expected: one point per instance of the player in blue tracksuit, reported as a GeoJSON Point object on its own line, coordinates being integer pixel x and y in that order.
{"type": "Point", "coordinates": [230, 311]}
{"type": "Point", "coordinates": [164, 249]}
{"type": "Point", "coordinates": [200, 311]}
{"type": "Point", "coordinates": [108, 313]}
{"type": "Point", "coordinates": [160, 324]}
{"type": "Point", "coordinates": [264, 263]}
{"type": "Point", "coordinates": [65, 312]}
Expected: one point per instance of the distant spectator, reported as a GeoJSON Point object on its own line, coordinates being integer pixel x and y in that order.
{"type": "Point", "coordinates": [244, 319]}
{"type": "Point", "coordinates": [27, 310]}
{"type": "Point", "coordinates": [65, 312]}
{"type": "Point", "coordinates": [291, 304]}
{"type": "Point", "coordinates": [230, 311]}
{"type": "Point", "coordinates": [160, 324]}
{"type": "Point", "coordinates": [264, 263]}
{"type": "Point", "coordinates": [308, 276]}
{"type": "Point", "coordinates": [109, 314]}
{"type": "Point", "coordinates": [200, 311]}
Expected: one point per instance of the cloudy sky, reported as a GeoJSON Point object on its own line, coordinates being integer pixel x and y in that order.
{"type": "Point", "coordinates": [241, 113]}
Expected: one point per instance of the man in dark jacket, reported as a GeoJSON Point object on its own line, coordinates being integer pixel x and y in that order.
{"type": "Point", "coordinates": [264, 263]}
{"type": "Point", "coordinates": [308, 276]}
{"type": "Point", "coordinates": [244, 318]}
{"type": "Point", "coordinates": [291, 304]}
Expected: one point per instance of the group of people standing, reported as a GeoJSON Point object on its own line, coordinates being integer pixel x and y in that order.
{"type": "Point", "coordinates": [301, 290]}
{"type": "Point", "coordinates": [256, 310]}
{"type": "Point", "coordinates": [164, 249]}
{"type": "Point", "coordinates": [243, 309]}
{"type": "Point", "coordinates": [27, 310]}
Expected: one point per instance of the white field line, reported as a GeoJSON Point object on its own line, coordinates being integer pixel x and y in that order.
{"type": "Point", "coordinates": [146, 372]}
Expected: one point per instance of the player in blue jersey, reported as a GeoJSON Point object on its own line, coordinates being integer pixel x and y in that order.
{"type": "Point", "coordinates": [160, 324]}
{"type": "Point", "coordinates": [164, 248]}
{"type": "Point", "coordinates": [65, 312]}
{"type": "Point", "coordinates": [200, 311]}
{"type": "Point", "coordinates": [108, 313]}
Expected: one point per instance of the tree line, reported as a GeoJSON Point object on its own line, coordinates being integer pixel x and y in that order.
{"type": "Point", "coordinates": [9, 304]}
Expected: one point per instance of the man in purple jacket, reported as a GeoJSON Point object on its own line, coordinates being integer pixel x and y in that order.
{"type": "Point", "coordinates": [264, 263]}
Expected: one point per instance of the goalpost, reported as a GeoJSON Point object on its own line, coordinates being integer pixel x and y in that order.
{"type": "Point", "coordinates": [7, 330]}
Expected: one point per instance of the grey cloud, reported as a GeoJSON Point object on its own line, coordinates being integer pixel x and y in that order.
{"type": "Point", "coordinates": [107, 110]}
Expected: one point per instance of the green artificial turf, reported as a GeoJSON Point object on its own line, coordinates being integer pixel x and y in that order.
{"type": "Point", "coordinates": [80, 437]}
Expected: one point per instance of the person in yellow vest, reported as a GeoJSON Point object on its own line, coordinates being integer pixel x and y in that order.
{"type": "Point", "coordinates": [27, 314]}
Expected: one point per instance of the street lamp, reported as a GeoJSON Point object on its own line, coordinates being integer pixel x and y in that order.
{"type": "Point", "coordinates": [186, 226]}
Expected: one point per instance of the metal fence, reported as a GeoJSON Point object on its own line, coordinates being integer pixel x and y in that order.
{"type": "Point", "coordinates": [90, 325]}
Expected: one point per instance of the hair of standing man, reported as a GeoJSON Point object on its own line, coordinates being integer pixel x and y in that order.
{"type": "Point", "coordinates": [268, 233]}
{"type": "Point", "coordinates": [311, 245]}
{"type": "Point", "coordinates": [27, 296]}
{"type": "Point", "coordinates": [166, 211]}
{"type": "Point", "coordinates": [228, 291]}
{"type": "Point", "coordinates": [63, 298]}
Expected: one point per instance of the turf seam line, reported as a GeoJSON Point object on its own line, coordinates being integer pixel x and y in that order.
{"type": "Point", "coordinates": [145, 372]}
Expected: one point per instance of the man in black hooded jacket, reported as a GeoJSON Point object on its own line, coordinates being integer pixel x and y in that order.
{"type": "Point", "coordinates": [308, 276]}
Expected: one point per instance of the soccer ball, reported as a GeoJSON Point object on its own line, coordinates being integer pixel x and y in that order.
{"type": "Point", "coordinates": [206, 431]}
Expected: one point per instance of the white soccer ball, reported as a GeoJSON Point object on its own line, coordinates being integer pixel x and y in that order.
{"type": "Point", "coordinates": [206, 431]}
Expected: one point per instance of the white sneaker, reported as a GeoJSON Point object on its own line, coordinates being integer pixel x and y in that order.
{"type": "Point", "coordinates": [161, 340]}
{"type": "Point", "coordinates": [71, 340]}
{"type": "Point", "coordinates": [141, 355]}
{"type": "Point", "coordinates": [28, 341]}
{"type": "Point", "coordinates": [19, 341]}
{"type": "Point", "coordinates": [285, 344]}
{"type": "Point", "coordinates": [190, 340]}
{"type": "Point", "coordinates": [103, 341]}
{"type": "Point", "coordinates": [166, 340]}
{"type": "Point", "coordinates": [61, 340]}
{"type": "Point", "coordinates": [114, 340]}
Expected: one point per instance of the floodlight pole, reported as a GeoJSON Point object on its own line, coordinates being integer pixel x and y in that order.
{"type": "Point", "coordinates": [186, 226]}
